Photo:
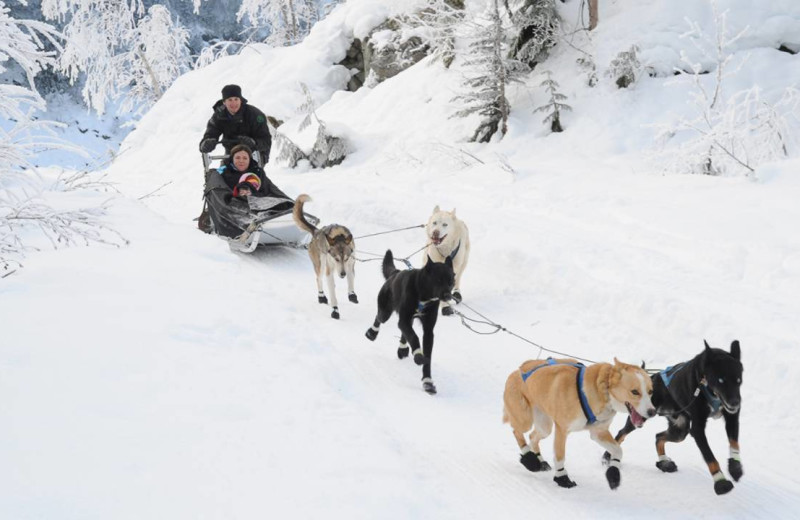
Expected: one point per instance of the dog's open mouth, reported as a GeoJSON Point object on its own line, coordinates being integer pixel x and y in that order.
{"type": "Point", "coordinates": [437, 240]}
{"type": "Point", "coordinates": [636, 419]}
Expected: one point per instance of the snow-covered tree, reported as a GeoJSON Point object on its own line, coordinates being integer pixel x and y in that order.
{"type": "Point", "coordinates": [287, 21]}
{"type": "Point", "coordinates": [114, 45]}
{"type": "Point", "coordinates": [555, 105]}
{"type": "Point", "coordinates": [728, 133]}
{"type": "Point", "coordinates": [536, 24]}
{"type": "Point", "coordinates": [327, 150]}
{"type": "Point", "coordinates": [161, 57]}
{"type": "Point", "coordinates": [434, 24]}
{"type": "Point", "coordinates": [625, 69]}
{"type": "Point", "coordinates": [490, 71]}
{"type": "Point", "coordinates": [22, 51]}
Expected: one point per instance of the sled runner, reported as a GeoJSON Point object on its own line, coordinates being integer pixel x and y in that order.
{"type": "Point", "coordinates": [249, 222]}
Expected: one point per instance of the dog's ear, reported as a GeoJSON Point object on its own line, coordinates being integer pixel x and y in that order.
{"type": "Point", "coordinates": [330, 240]}
{"type": "Point", "coordinates": [348, 240]}
{"type": "Point", "coordinates": [736, 351]}
{"type": "Point", "coordinates": [706, 344]}
{"type": "Point", "coordinates": [449, 261]}
{"type": "Point", "coordinates": [453, 212]}
{"type": "Point", "coordinates": [436, 209]}
{"type": "Point", "coordinates": [643, 365]}
{"type": "Point", "coordinates": [429, 263]}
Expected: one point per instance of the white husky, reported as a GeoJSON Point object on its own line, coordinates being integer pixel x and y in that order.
{"type": "Point", "coordinates": [448, 237]}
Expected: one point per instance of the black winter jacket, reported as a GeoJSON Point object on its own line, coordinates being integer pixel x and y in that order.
{"type": "Point", "coordinates": [248, 121]}
{"type": "Point", "coordinates": [231, 177]}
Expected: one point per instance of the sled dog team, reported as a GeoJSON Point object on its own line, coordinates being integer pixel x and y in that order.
{"type": "Point", "coordinates": [544, 396]}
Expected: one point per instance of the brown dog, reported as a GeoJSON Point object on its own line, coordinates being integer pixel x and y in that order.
{"type": "Point", "coordinates": [564, 393]}
{"type": "Point", "coordinates": [331, 251]}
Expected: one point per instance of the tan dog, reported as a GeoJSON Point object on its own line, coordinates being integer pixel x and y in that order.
{"type": "Point", "coordinates": [331, 249]}
{"type": "Point", "coordinates": [544, 393]}
{"type": "Point", "coordinates": [448, 237]}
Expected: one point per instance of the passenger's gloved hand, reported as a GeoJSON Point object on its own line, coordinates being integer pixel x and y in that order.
{"type": "Point", "coordinates": [208, 145]}
{"type": "Point", "coordinates": [247, 141]}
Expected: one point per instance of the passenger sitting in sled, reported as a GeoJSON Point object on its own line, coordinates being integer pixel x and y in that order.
{"type": "Point", "coordinates": [249, 184]}
{"type": "Point", "coordinates": [240, 168]}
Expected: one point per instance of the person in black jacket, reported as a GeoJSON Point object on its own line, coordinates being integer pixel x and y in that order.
{"type": "Point", "coordinates": [238, 123]}
{"type": "Point", "coordinates": [237, 169]}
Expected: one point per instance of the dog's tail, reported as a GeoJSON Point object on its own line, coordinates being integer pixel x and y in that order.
{"type": "Point", "coordinates": [388, 265]}
{"type": "Point", "coordinates": [299, 218]}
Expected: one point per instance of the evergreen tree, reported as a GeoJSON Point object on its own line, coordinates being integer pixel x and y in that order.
{"type": "Point", "coordinates": [491, 72]}
{"type": "Point", "coordinates": [555, 106]}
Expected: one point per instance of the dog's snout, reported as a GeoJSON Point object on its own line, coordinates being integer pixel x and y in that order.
{"type": "Point", "coordinates": [651, 412]}
{"type": "Point", "coordinates": [342, 274]}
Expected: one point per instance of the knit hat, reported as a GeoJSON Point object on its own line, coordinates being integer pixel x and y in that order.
{"type": "Point", "coordinates": [231, 91]}
{"type": "Point", "coordinates": [251, 179]}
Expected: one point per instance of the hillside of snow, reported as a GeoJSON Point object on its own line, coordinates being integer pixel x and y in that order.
{"type": "Point", "coordinates": [174, 378]}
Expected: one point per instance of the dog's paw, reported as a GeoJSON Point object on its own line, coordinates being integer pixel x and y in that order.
{"type": "Point", "coordinates": [419, 358]}
{"type": "Point", "coordinates": [335, 313]}
{"type": "Point", "coordinates": [402, 352]}
{"type": "Point", "coordinates": [545, 464]}
{"type": "Point", "coordinates": [371, 334]}
{"type": "Point", "coordinates": [352, 297]}
{"type": "Point", "coordinates": [722, 486]}
{"type": "Point", "coordinates": [667, 466]}
{"type": "Point", "coordinates": [735, 469]}
{"type": "Point", "coordinates": [457, 296]}
{"type": "Point", "coordinates": [531, 461]}
{"type": "Point", "coordinates": [564, 481]}
{"type": "Point", "coordinates": [613, 477]}
{"type": "Point", "coordinates": [322, 299]}
{"type": "Point", "coordinates": [447, 310]}
{"type": "Point", "coordinates": [428, 386]}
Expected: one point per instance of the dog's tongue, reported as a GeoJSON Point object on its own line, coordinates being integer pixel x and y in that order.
{"type": "Point", "coordinates": [636, 419]}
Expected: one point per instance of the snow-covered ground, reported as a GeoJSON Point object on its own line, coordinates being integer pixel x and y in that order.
{"type": "Point", "coordinates": [173, 378]}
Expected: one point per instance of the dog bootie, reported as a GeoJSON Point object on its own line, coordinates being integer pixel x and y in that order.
{"type": "Point", "coordinates": [371, 334]}
{"type": "Point", "coordinates": [428, 386]}
{"type": "Point", "coordinates": [352, 297]}
{"type": "Point", "coordinates": [564, 481]}
{"type": "Point", "coordinates": [457, 296]}
{"type": "Point", "coordinates": [419, 358]}
{"type": "Point", "coordinates": [612, 474]}
{"type": "Point", "coordinates": [447, 310]}
{"type": "Point", "coordinates": [735, 468]}
{"type": "Point", "coordinates": [721, 484]}
{"type": "Point", "coordinates": [321, 298]}
{"type": "Point", "coordinates": [532, 462]}
{"type": "Point", "coordinates": [666, 465]}
{"type": "Point", "coordinates": [335, 313]}
{"type": "Point", "coordinates": [402, 352]}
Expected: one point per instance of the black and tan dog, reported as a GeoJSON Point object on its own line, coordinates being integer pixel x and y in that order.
{"type": "Point", "coordinates": [568, 396]}
{"type": "Point", "coordinates": [332, 251]}
{"type": "Point", "coordinates": [414, 293]}
{"type": "Point", "coordinates": [688, 394]}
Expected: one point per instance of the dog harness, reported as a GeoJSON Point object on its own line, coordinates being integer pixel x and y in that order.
{"type": "Point", "coordinates": [587, 410]}
{"type": "Point", "coordinates": [455, 251]}
{"type": "Point", "coordinates": [714, 402]}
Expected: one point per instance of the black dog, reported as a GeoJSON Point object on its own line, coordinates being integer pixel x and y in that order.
{"type": "Point", "coordinates": [415, 293]}
{"type": "Point", "coordinates": [688, 394]}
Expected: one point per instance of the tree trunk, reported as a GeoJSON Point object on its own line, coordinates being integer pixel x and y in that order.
{"type": "Point", "coordinates": [592, 14]}
{"type": "Point", "coordinates": [156, 84]}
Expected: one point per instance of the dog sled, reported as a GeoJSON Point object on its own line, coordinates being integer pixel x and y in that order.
{"type": "Point", "coordinates": [247, 223]}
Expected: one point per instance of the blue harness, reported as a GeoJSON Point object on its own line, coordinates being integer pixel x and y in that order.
{"type": "Point", "coordinates": [587, 411]}
{"type": "Point", "coordinates": [668, 373]}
